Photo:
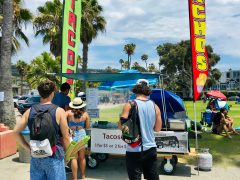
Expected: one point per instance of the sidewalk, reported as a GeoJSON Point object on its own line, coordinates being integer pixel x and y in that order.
{"type": "Point", "coordinates": [114, 168]}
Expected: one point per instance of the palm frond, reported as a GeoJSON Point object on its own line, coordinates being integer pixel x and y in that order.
{"type": "Point", "coordinates": [21, 35]}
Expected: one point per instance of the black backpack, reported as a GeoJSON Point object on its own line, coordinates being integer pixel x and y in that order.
{"type": "Point", "coordinates": [42, 126]}
{"type": "Point", "coordinates": [131, 132]}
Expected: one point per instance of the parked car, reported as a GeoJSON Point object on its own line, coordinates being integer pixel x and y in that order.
{"type": "Point", "coordinates": [29, 102]}
{"type": "Point", "coordinates": [233, 98]}
{"type": "Point", "coordinates": [23, 99]}
{"type": "Point", "coordinates": [15, 100]}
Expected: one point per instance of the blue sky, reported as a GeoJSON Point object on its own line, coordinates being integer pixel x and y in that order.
{"type": "Point", "coordinates": [148, 24]}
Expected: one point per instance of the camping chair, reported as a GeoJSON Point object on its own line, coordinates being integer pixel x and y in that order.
{"type": "Point", "coordinates": [207, 118]}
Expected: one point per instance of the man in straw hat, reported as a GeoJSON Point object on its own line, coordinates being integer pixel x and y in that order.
{"type": "Point", "coordinates": [78, 121]}
{"type": "Point", "coordinates": [143, 158]}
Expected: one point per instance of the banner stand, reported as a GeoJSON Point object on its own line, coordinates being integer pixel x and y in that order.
{"type": "Point", "coordinates": [195, 128]}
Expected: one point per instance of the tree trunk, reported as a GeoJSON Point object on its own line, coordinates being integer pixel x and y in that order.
{"type": "Point", "coordinates": [21, 85]}
{"type": "Point", "coordinates": [130, 62]}
{"type": "Point", "coordinates": [84, 63]}
{"type": "Point", "coordinates": [128, 65]}
{"type": "Point", "coordinates": [7, 115]}
{"type": "Point", "coordinates": [191, 89]}
{"type": "Point", "coordinates": [85, 57]}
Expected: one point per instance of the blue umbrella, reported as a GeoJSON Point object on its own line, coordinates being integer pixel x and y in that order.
{"type": "Point", "coordinates": [167, 101]}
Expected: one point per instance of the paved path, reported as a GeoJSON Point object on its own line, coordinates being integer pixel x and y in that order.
{"type": "Point", "coordinates": [114, 169]}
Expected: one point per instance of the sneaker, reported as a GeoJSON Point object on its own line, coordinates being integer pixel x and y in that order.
{"type": "Point", "coordinates": [230, 137]}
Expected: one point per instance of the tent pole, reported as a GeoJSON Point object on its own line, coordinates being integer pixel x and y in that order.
{"type": "Point", "coordinates": [163, 102]}
{"type": "Point", "coordinates": [195, 127]}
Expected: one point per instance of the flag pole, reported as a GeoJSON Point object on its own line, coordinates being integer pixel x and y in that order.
{"type": "Point", "coordinates": [195, 128]}
{"type": "Point", "coordinates": [193, 93]}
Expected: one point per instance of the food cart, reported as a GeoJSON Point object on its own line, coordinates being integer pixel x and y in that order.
{"type": "Point", "coordinates": [173, 140]}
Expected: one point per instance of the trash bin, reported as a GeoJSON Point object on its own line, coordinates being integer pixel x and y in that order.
{"type": "Point", "coordinates": [24, 155]}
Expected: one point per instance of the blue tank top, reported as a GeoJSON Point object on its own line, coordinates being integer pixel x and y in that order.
{"type": "Point", "coordinates": [43, 107]}
{"type": "Point", "coordinates": [147, 117]}
{"type": "Point", "coordinates": [72, 123]}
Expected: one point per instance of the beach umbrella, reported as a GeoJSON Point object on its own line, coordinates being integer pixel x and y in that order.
{"type": "Point", "coordinates": [216, 94]}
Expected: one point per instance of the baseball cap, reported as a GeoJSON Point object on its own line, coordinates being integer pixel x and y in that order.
{"type": "Point", "coordinates": [142, 82]}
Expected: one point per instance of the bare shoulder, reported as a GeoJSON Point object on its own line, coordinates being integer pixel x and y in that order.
{"type": "Point", "coordinates": [85, 114]}
{"type": "Point", "coordinates": [60, 110]}
{"type": "Point", "coordinates": [68, 112]}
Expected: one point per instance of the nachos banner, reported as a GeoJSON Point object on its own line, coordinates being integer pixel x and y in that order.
{"type": "Point", "coordinates": [197, 19]}
{"type": "Point", "coordinates": [71, 39]}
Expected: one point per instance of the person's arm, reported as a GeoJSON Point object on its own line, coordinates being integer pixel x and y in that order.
{"type": "Point", "coordinates": [125, 113]}
{"type": "Point", "coordinates": [61, 116]}
{"type": "Point", "coordinates": [20, 126]}
{"type": "Point", "coordinates": [158, 123]}
{"type": "Point", "coordinates": [87, 126]}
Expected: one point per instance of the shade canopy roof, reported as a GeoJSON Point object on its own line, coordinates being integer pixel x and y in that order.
{"type": "Point", "coordinates": [103, 77]}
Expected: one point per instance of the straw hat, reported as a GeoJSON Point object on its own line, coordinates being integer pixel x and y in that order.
{"type": "Point", "coordinates": [77, 103]}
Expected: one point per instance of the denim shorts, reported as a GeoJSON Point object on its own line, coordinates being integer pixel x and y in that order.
{"type": "Point", "coordinates": [78, 135]}
{"type": "Point", "coordinates": [48, 168]}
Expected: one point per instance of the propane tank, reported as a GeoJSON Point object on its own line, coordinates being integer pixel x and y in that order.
{"type": "Point", "coordinates": [205, 160]}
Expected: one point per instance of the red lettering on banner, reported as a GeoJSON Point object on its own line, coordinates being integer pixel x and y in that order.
{"type": "Point", "coordinates": [73, 5]}
{"type": "Point", "coordinates": [70, 81]}
{"type": "Point", "coordinates": [199, 25]}
{"type": "Point", "coordinates": [197, 20]}
{"type": "Point", "coordinates": [72, 20]}
{"type": "Point", "coordinates": [71, 36]}
{"type": "Point", "coordinates": [71, 57]}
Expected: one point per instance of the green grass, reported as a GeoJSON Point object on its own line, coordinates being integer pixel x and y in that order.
{"type": "Point", "coordinates": [110, 114]}
{"type": "Point", "coordinates": [200, 107]}
{"type": "Point", "coordinates": [226, 152]}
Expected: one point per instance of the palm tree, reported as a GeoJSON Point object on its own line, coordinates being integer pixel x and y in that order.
{"type": "Point", "coordinates": [6, 105]}
{"type": "Point", "coordinates": [144, 57]}
{"type": "Point", "coordinates": [41, 69]}
{"type": "Point", "coordinates": [126, 65]}
{"type": "Point", "coordinates": [121, 61]}
{"type": "Point", "coordinates": [152, 68]}
{"type": "Point", "coordinates": [136, 66]}
{"type": "Point", "coordinates": [21, 17]}
{"type": "Point", "coordinates": [22, 68]}
{"type": "Point", "coordinates": [91, 24]}
{"type": "Point", "coordinates": [129, 50]}
{"type": "Point", "coordinates": [49, 25]}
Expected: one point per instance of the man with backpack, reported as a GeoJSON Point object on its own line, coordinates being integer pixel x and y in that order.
{"type": "Point", "coordinates": [142, 157]}
{"type": "Point", "coordinates": [48, 136]}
